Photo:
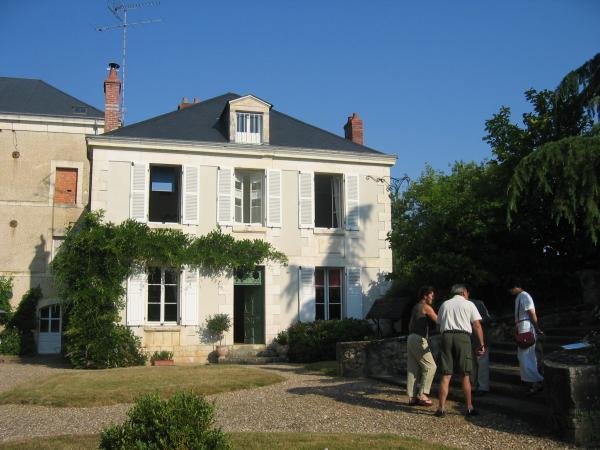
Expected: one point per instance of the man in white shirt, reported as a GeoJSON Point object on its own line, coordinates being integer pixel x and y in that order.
{"type": "Point", "coordinates": [457, 319]}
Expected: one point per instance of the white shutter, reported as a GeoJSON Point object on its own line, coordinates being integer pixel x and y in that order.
{"type": "Point", "coordinates": [307, 294]}
{"type": "Point", "coordinates": [352, 205]}
{"type": "Point", "coordinates": [353, 293]}
{"type": "Point", "coordinates": [306, 198]}
{"type": "Point", "coordinates": [274, 198]}
{"type": "Point", "coordinates": [225, 196]}
{"type": "Point", "coordinates": [135, 299]}
{"type": "Point", "coordinates": [139, 190]}
{"type": "Point", "coordinates": [189, 298]}
{"type": "Point", "coordinates": [191, 182]}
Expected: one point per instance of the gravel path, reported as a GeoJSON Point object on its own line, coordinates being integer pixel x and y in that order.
{"type": "Point", "coordinates": [303, 402]}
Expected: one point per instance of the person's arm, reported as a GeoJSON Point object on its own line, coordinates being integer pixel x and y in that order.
{"type": "Point", "coordinates": [429, 312]}
{"type": "Point", "coordinates": [479, 333]}
{"type": "Point", "coordinates": [534, 320]}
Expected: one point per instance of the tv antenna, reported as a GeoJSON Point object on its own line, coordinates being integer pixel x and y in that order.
{"type": "Point", "coordinates": [119, 9]}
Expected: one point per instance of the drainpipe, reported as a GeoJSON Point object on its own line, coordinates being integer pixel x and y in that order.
{"type": "Point", "coordinates": [298, 296]}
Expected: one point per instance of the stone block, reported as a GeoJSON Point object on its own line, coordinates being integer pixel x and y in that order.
{"type": "Point", "coordinates": [383, 357]}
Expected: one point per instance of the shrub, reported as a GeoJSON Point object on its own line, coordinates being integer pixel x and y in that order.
{"type": "Point", "coordinates": [185, 421]}
{"type": "Point", "coordinates": [282, 338]}
{"type": "Point", "coordinates": [17, 338]}
{"type": "Point", "coordinates": [217, 325]}
{"type": "Point", "coordinates": [315, 341]}
{"type": "Point", "coordinates": [5, 294]}
{"type": "Point", "coordinates": [163, 355]}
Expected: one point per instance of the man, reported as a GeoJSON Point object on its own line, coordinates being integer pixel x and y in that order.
{"type": "Point", "coordinates": [526, 320]}
{"type": "Point", "coordinates": [457, 319]}
{"type": "Point", "coordinates": [480, 375]}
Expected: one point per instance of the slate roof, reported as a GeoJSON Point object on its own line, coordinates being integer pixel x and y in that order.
{"type": "Point", "coordinates": [204, 122]}
{"type": "Point", "coordinates": [29, 96]}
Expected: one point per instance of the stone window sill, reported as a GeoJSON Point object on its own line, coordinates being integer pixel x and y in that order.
{"type": "Point", "coordinates": [249, 229]}
{"type": "Point", "coordinates": [330, 231]}
{"type": "Point", "coordinates": [162, 328]}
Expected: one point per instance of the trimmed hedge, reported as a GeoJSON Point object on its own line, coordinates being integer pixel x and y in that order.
{"type": "Point", "coordinates": [316, 341]}
{"type": "Point", "coordinates": [185, 421]}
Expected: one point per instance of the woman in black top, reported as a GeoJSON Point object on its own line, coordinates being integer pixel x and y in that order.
{"type": "Point", "coordinates": [421, 366]}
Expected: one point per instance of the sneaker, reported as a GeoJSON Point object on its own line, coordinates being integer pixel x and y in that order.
{"type": "Point", "coordinates": [472, 412]}
{"type": "Point", "coordinates": [439, 413]}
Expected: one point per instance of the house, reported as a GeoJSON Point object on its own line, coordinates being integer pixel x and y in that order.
{"type": "Point", "coordinates": [43, 187]}
{"type": "Point", "coordinates": [235, 162]}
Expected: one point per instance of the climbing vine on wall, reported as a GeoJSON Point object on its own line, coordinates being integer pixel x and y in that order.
{"type": "Point", "coordinates": [97, 257]}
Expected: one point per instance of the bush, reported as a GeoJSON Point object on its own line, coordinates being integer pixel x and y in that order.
{"type": "Point", "coordinates": [5, 294]}
{"type": "Point", "coordinates": [217, 325]}
{"type": "Point", "coordinates": [315, 341]}
{"type": "Point", "coordinates": [17, 338]}
{"type": "Point", "coordinates": [185, 421]}
{"type": "Point", "coordinates": [163, 355]}
{"type": "Point", "coordinates": [282, 338]}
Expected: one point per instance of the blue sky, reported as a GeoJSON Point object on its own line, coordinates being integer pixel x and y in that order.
{"type": "Point", "coordinates": [423, 75]}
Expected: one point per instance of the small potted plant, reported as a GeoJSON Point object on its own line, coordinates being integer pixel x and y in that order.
{"type": "Point", "coordinates": [162, 358]}
{"type": "Point", "coordinates": [217, 325]}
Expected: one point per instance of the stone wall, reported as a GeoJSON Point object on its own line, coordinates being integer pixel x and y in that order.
{"type": "Point", "coordinates": [384, 357]}
{"type": "Point", "coordinates": [573, 397]}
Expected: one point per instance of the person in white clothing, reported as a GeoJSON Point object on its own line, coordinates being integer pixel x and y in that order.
{"type": "Point", "coordinates": [526, 320]}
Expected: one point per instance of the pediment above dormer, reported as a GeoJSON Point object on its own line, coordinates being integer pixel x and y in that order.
{"type": "Point", "coordinates": [248, 120]}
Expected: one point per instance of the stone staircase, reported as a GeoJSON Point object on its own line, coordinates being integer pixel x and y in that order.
{"type": "Point", "coordinates": [251, 354]}
{"type": "Point", "coordinates": [507, 393]}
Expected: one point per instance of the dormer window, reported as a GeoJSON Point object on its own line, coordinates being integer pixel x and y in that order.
{"type": "Point", "coordinates": [249, 128]}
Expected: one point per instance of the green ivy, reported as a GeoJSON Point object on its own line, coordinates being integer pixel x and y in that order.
{"type": "Point", "coordinates": [96, 259]}
{"type": "Point", "coordinates": [5, 293]}
{"type": "Point", "coordinates": [17, 338]}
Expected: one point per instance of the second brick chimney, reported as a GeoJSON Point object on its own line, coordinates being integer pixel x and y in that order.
{"type": "Point", "coordinates": [354, 129]}
{"type": "Point", "coordinates": [185, 104]}
{"type": "Point", "coordinates": [112, 92]}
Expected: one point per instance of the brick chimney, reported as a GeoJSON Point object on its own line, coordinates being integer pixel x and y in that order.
{"type": "Point", "coordinates": [112, 92]}
{"type": "Point", "coordinates": [184, 103]}
{"type": "Point", "coordinates": [354, 129]}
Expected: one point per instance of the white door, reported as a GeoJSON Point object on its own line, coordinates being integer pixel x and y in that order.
{"type": "Point", "coordinates": [49, 330]}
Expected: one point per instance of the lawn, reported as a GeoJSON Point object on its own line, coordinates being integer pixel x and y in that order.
{"type": "Point", "coordinates": [112, 386]}
{"type": "Point", "coordinates": [254, 441]}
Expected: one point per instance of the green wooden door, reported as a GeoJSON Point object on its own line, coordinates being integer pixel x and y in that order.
{"type": "Point", "coordinates": [249, 309]}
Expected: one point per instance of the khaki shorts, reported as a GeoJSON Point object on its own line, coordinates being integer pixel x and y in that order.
{"type": "Point", "coordinates": [457, 355]}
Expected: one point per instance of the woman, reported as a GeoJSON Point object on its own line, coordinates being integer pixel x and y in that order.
{"type": "Point", "coordinates": [526, 320]}
{"type": "Point", "coordinates": [421, 365]}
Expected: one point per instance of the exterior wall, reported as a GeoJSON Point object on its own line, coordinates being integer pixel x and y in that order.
{"type": "Point", "coordinates": [366, 248]}
{"type": "Point", "coordinates": [31, 148]}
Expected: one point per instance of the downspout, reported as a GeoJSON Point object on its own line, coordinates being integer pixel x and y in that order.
{"type": "Point", "coordinates": [298, 296]}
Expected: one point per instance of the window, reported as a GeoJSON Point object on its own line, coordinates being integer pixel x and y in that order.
{"type": "Point", "coordinates": [164, 204]}
{"type": "Point", "coordinates": [328, 201]}
{"type": "Point", "coordinates": [249, 128]}
{"type": "Point", "coordinates": [163, 288]}
{"type": "Point", "coordinates": [65, 186]}
{"type": "Point", "coordinates": [328, 295]}
{"type": "Point", "coordinates": [57, 241]}
{"type": "Point", "coordinates": [249, 196]}
{"type": "Point", "coordinates": [50, 319]}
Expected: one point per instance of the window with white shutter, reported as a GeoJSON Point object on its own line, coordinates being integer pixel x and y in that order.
{"type": "Point", "coordinates": [189, 298]}
{"type": "Point", "coordinates": [139, 188]}
{"type": "Point", "coordinates": [191, 184]}
{"type": "Point", "coordinates": [307, 294]}
{"type": "Point", "coordinates": [136, 299]}
{"type": "Point", "coordinates": [306, 200]}
{"type": "Point", "coordinates": [354, 293]}
{"type": "Point", "coordinates": [274, 198]}
{"type": "Point", "coordinates": [225, 196]}
{"type": "Point", "coordinates": [352, 202]}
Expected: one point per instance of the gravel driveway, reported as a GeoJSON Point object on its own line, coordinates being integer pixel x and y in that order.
{"type": "Point", "coordinates": [303, 402]}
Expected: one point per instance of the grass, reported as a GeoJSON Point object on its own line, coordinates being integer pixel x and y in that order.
{"type": "Point", "coordinates": [253, 441]}
{"type": "Point", "coordinates": [113, 386]}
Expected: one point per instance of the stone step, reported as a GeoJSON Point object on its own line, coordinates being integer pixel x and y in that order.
{"type": "Point", "coordinates": [504, 356]}
{"type": "Point", "coordinates": [253, 360]}
{"type": "Point", "coordinates": [505, 373]}
{"type": "Point", "coordinates": [580, 330]}
{"type": "Point", "coordinates": [529, 408]}
{"type": "Point", "coordinates": [512, 346]}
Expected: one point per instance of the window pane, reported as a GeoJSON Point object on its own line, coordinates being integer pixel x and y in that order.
{"type": "Point", "coordinates": [319, 277]}
{"type": "Point", "coordinates": [154, 312]}
{"type": "Point", "coordinates": [55, 311]}
{"type": "Point", "coordinates": [171, 294]}
{"type": "Point", "coordinates": [55, 326]}
{"type": "Point", "coordinates": [43, 326]}
{"type": "Point", "coordinates": [334, 277]}
{"type": "Point", "coordinates": [164, 199]}
{"type": "Point", "coordinates": [171, 313]}
{"type": "Point", "coordinates": [335, 295]}
{"type": "Point", "coordinates": [319, 311]}
{"type": "Point", "coordinates": [45, 312]}
{"type": "Point", "coordinates": [320, 294]}
{"type": "Point", "coordinates": [153, 275]}
{"type": "Point", "coordinates": [153, 294]}
{"type": "Point", "coordinates": [170, 276]}
{"type": "Point", "coordinates": [335, 311]}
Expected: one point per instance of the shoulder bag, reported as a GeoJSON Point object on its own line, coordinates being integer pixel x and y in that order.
{"type": "Point", "coordinates": [527, 339]}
